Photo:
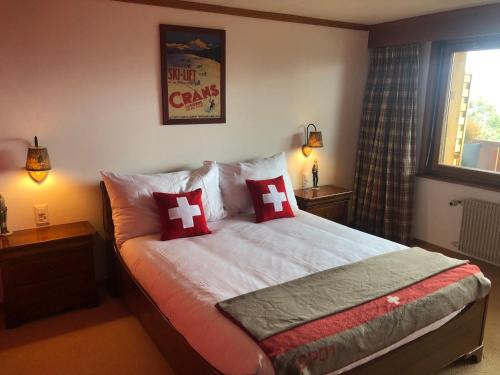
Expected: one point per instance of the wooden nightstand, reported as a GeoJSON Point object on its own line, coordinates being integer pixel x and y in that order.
{"type": "Point", "coordinates": [330, 202]}
{"type": "Point", "coordinates": [46, 270]}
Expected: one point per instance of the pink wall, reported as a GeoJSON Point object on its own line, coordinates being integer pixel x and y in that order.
{"type": "Point", "coordinates": [83, 75]}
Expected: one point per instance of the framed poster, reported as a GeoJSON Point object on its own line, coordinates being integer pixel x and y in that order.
{"type": "Point", "coordinates": [193, 73]}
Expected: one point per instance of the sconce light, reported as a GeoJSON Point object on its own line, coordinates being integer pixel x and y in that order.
{"type": "Point", "coordinates": [38, 162]}
{"type": "Point", "coordinates": [313, 140]}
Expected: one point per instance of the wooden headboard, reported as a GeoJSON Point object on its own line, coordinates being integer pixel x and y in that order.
{"type": "Point", "coordinates": [111, 250]}
{"type": "Point", "coordinates": [109, 227]}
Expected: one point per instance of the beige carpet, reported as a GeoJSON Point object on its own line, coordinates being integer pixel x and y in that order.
{"type": "Point", "coordinates": [105, 340]}
{"type": "Point", "coordinates": [108, 340]}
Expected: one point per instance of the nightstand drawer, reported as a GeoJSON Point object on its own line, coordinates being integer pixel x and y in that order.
{"type": "Point", "coordinates": [335, 211]}
{"type": "Point", "coordinates": [35, 269]}
{"type": "Point", "coordinates": [35, 300]}
{"type": "Point", "coordinates": [47, 270]}
{"type": "Point", "coordinates": [52, 305]}
{"type": "Point", "coordinates": [329, 201]}
{"type": "Point", "coordinates": [43, 291]}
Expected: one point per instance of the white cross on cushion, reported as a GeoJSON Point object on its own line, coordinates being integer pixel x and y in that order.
{"type": "Point", "coordinates": [185, 212]}
{"type": "Point", "coordinates": [275, 197]}
{"type": "Point", "coordinates": [393, 299]}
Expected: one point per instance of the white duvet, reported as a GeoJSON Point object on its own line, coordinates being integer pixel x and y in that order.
{"type": "Point", "coordinates": [187, 277]}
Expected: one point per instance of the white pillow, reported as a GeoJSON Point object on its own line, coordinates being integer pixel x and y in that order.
{"type": "Point", "coordinates": [134, 210]}
{"type": "Point", "coordinates": [234, 189]}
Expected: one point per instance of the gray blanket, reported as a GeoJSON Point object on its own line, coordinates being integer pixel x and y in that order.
{"type": "Point", "coordinates": [276, 316]}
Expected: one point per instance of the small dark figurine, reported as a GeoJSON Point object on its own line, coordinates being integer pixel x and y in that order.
{"type": "Point", "coordinates": [3, 218]}
{"type": "Point", "coordinates": [315, 175]}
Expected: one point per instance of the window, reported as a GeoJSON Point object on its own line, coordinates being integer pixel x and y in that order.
{"type": "Point", "coordinates": [463, 112]}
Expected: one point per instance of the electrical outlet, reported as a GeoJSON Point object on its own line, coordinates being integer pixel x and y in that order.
{"type": "Point", "coordinates": [41, 214]}
{"type": "Point", "coordinates": [305, 181]}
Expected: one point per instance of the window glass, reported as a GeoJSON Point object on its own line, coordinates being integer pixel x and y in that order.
{"type": "Point", "coordinates": [471, 125]}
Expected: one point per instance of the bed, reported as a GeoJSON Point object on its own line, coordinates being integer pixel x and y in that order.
{"type": "Point", "coordinates": [169, 289]}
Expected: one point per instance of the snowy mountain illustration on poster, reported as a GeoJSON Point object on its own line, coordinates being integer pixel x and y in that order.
{"type": "Point", "coordinates": [193, 75]}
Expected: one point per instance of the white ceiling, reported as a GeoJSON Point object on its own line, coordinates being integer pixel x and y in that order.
{"type": "Point", "coordinates": [358, 11]}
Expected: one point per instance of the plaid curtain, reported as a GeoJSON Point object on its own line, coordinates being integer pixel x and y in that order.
{"type": "Point", "coordinates": [385, 165]}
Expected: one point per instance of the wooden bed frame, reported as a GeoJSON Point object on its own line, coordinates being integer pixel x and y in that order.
{"type": "Point", "coordinates": [460, 337]}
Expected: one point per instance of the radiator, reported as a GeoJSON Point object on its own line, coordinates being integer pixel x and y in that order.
{"type": "Point", "coordinates": [480, 231]}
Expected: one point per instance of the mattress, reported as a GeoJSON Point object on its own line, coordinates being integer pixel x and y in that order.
{"type": "Point", "coordinates": [187, 277]}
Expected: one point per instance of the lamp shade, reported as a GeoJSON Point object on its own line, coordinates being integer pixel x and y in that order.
{"type": "Point", "coordinates": [37, 159]}
{"type": "Point", "coordinates": [315, 139]}
{"type": "Point", "coordinates": [38, 162]}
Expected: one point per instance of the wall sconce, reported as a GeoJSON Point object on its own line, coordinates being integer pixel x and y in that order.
{"type": "Point", "coordinates": [313, 140]}
{"type": "Point", "coordinates": [38, 162]}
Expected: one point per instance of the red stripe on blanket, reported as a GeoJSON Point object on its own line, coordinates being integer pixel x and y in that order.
{"type": "Point", "coordinates": [348, 319]}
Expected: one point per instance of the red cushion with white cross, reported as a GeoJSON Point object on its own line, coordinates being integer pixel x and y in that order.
{"type": "Point", "coordinates": [181, 215]}
{"type": "Point", "coordinates": [269, 199]}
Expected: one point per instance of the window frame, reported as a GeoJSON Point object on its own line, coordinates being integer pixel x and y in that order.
{"type": "Point", "coordinates": [440, 65]}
